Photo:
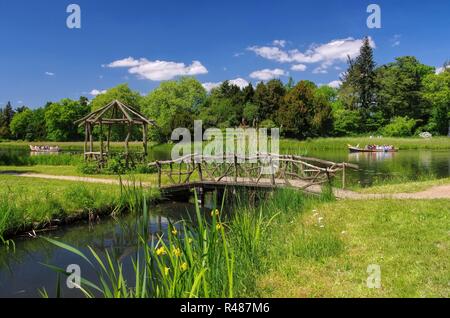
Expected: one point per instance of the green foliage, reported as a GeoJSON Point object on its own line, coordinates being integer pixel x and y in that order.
{"type": "Point", "coordinates": [250, 113]}
{"type": "Point", "coordinates": [20, 123]}
{"type": "Point", "coordinates": [304, 113]}
{"type": "Point", "coordinates": [60, 117]}
{"type": "Point", "coordinates": [173, 104]}
{"type": "Point", "coordinates": [121, 92]}
{"type": "Point", "coordinates": [437, 93]}
{"type": "Point", "coordinates": [268, 98]}
{"type": "Point", "coordinates": [399, 127]}
{"type": "Point", "coordinates": [400, 88]}
{"type": "Point", "coordinates": [6, 116]}
{"type": "Point", "coordinates": [358, 89]}
{"type": "Point", "coordinates": [346, 122]}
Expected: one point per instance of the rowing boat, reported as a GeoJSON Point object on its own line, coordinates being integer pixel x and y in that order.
{"type": "Point", "coordinates": [357, 149]}
{"type": "Point", "coordinates": [44, 149]}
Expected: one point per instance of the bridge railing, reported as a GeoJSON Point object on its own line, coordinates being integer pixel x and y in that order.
{"type": "Point", "coordinates": [260, 169]}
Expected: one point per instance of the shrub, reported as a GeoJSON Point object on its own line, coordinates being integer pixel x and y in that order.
{"type": "Point", "coordinates": [399, 127]}
{"type": "Point", "coordinates": [89, 168]}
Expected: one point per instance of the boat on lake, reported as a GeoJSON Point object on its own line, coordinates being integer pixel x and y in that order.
{"type": "Point", "coordinates": [372, 148]}
{"type": "Point", "coordinates": [44, 148]}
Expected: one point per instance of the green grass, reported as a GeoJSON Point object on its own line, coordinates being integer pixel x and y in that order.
{"type": "Point", "coordinates": [293, 146]}
{"type": "Point", "coordinates": [286, 145]}
{"type": "Point", "coordinates": [70, 145]}
{"type": "Point", "coordinates": [325, 250]}
{"type": "Point", "coordinates": [405, 187]}
{"type": "Point", "coordinates": [29, 203]}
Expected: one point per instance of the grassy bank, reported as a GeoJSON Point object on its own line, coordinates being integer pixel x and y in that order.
{"type": "Point", "coordinates": [293, 145]}
{"type": "Point", "coordinates": [286, 145]}
{"type": "Point", "coordinates": [293, 245]}
{"type": "Point", "coordinates": [27, 203]}
{"type": "Point", "coordinates": [325, 251]}
{"type": "Point", "coordinates": [403, 187]}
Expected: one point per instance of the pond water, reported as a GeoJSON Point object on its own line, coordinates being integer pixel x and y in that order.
{"type": "Point", "coordinates": [405, 165]}
{"type": "Point", "coordinates": [22, 272]}
{"type": "Point", "coordinates": [402, 165]}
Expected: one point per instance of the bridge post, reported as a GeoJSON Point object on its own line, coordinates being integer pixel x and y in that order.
{"type": "Point", "coordinates": [272, 172]}
{"type": "Point", "coordinates": [343, 176]}
{"type": "Point", "coordinates": [200, 173]}
{"type": "Point", "coordinates": [235, 168]}
{"type": "Point", "coordinates": [158, 165]}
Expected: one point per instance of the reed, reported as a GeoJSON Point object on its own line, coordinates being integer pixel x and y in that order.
{"type": "Point", "coordinates": [219, 254]}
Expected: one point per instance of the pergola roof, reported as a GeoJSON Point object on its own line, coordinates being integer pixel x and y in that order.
{"type": "Point", "coordinates": [115, 112]}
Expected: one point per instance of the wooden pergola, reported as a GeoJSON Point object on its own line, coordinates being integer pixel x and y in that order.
{"type": "Point", "coordinates": [114, 113]}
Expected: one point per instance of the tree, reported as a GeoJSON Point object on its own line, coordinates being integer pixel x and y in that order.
{"type": "Point", "coordinates": [437, 93]}
{"type": "Point", "coordinates": [173, 104]}
{"type": "Point", "coordinates": [250, 113]}
{"type": "Point", "coordinates": [268, 98]}
{"type": "Point", "coordinates": [304, 112]}
{"type": "Point", "coordinates": [6, 116]}
{"type": "Point", "coordinates": [400, 89]}
{"type": "Point", "coordinates": [20, 123]}
{"type": "Point", "coordinates": [121, 92]}
{"type": "Point", "coordinates": [358, 83]}
{"type": "Point", "coordinates": [60, 117]}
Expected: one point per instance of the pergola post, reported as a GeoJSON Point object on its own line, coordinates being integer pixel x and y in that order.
{"type": "Point", "coordinates": [85, 140]}
{"type": "Point", "coordinates": [144, 138]}
{"type": "Point", "coordinates": [109, 138]}
{"type": "Point", "coordinates": [101, 142]}
{"type": "Point", "coordinates": [91, 141]}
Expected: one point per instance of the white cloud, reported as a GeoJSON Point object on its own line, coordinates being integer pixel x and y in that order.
{"type": "Point", "coordinates": [49, 73]}
{"type": "Point", "coordinates": [240, 82]}
{"type": "Point", "coordinates": [238, 54]}
{"type": "Point", "coordinates": [158, 70]}
{"type": "Point", "coordinates": [267, 74]}
{"type": "Point", "coordinates": [327, 54]}
{"type": "Point", "coordinates": [335, 84]}
{"type": "Point", "coordinates": [280, 43]}
{"type": "Point", "coordinates": [298, 67]}
{"type": "Point", "coordinates": [439, 70]}
{"type": "Point", "coordinates": [395, 41]}
{"type": "Point", "coordinates": [96, 92]}
{"type": "Point", "coordinates": [210, 85]}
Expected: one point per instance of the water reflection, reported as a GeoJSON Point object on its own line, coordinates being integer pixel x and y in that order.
{"type": "Point", "coordinates": [404, 165]}
{"type": "Point", "coordinates": [22, 272]}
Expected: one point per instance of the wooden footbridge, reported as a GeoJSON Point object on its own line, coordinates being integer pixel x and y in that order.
{"type": "Point", "coordinates": [259, 171]}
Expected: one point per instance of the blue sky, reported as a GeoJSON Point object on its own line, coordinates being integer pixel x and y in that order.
{"type": "Point", "coordinates": [144, 42]}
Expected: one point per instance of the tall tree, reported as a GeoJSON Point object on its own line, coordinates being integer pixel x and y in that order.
{"type": "Point", "coordinates": [173, 104]}
{"type": "Point", "coordinates": [6, 116]}
{"type": "Point", "coordinates": [304, 112]}
{"type": "Point", "coordinates": [268, 98]}
{"type": "Point", "coordinates": [400, 89]}
{"type": "Point", "coordinates": [359, 86]}
{"type": "Point", "coordinates": [60, 117]}
{"type": "Point", "coordinates": [437, 93]}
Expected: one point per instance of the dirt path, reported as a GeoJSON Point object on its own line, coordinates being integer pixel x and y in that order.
{"type": "Point", "coordinates": [435, 192]}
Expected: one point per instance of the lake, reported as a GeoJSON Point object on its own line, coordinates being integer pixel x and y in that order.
{"type": "Point", "coordinates": [405, 165]}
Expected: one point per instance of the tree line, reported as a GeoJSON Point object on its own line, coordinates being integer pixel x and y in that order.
{"type": "Point", "coordinates": [401, 98]}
